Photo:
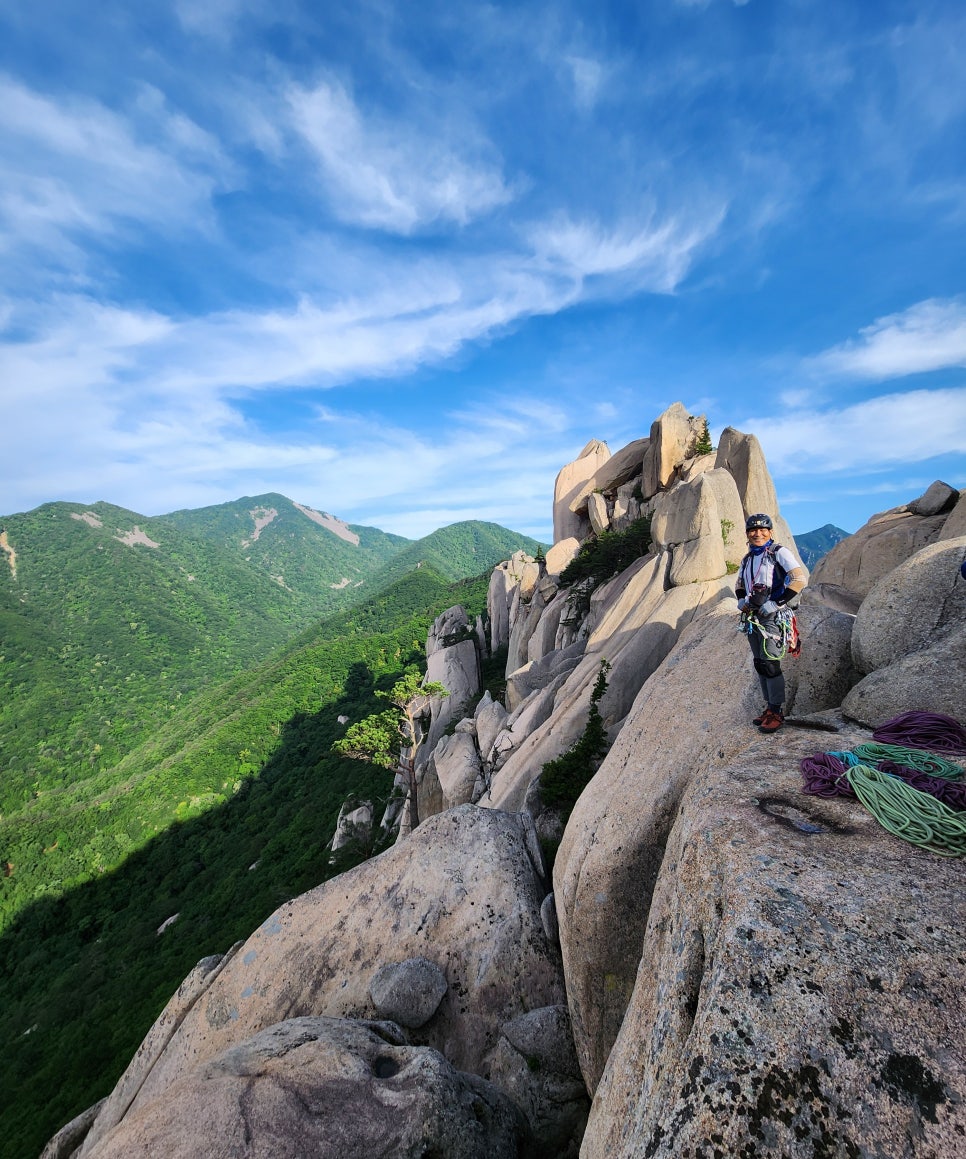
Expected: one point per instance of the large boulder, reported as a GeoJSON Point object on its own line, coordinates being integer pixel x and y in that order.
{"type": "Point", "coordinates": [540, 1043]}
{"type": "Point", "coordinates": [673, 437]}
{"type": "Point", "coordinates": [456, 762]}
{"type": "Point", "coordinates": [569, 484]}
{"type": "Point", "coordinates": [543, 638]}
{"type": "Point", "coordinates": [464, 891]}
{"type": "Point", "coordinates": [799, 981]}
{"type": "Point", "coordinates": [453, 660]}
{"type": "Point", "coordinates": [562, 552]}
{"type": "Point", "coordinates": [334, 1088]}
{"type": "Point", "coordinates": [885, 541]}
{"type": "Point", "coordinates": [693, 712]}
{"type": "Point", "coordinates": [520, 573]}
{"type": "Point", "coordinates": [686, 520]}
{"type": "Point", "coordinates": [933, 680]}
{"type": "Point", "coordinates": [937, 498]}
{"type": "Point", "coordinates": [623, 466]}
{"type": "Point", "coordinates": [954, 524]}
{"type": "Point", "coordinates": [597, 513]}
{"type": "Point", "coordinates": [910, 638]}
{"type": "Point", "coordinates": [408, 992]}
{"type": "Point", "coordinates": [524, 620]}
{"type": "Point", "coordinates": [742, 457]}
{"type": "Point", "coordinates": [490, 717]}
{"type": "Point", "coordinates": [824, 672]}
{"type": "Point", "coordinates": [915, 606]}
{"type": "Point", "coordinates": [731, 517]}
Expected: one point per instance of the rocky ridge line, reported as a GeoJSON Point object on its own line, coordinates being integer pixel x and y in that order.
{"type": "Point", "coordinates": [725, 966]}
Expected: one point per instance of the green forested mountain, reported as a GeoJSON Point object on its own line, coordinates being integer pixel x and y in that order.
{"type": "Point", "coordinates": [814, 544]}
{"type": "Point", "coordinates": [110, 620]}
{"type": "Point", "coordinates": [218, 816]}
{"type": "Point", "coordinates": [317, 558]}
{"type": "Point", "coordinates": [457, 551]}
{"type": "Point", "coordinates": [169, 691]}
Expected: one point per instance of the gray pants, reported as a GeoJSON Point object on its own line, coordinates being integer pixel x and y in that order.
{"type": "Point", "coordinates": [770, 675]}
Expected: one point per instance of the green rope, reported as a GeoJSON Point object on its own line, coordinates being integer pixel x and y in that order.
{"type": "Point", "coordinates": [914, 816]}
{"type": "Point", "coordinates": [923, 762]}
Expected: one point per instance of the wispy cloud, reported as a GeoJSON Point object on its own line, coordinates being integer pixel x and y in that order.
{"type": "Point", "coordinates": [870, 436]}
{"type": "Point", "coordinates": [655, 252]}
{"type": "Point", "coordinates": [930, 335]}
{"type": "Point", "coordinates": [73, 172]}
{"type": "Point", "coordinates": [383, 172]}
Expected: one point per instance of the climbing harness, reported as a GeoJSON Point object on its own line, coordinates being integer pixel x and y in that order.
{"type": "Point", "coordinates": [780, 637]}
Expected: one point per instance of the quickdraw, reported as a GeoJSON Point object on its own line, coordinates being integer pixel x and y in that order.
{"type": "Point", "coordinates": [780, 638]}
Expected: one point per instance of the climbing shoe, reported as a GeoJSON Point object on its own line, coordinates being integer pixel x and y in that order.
{"type": "Point", "coordinates": [771, 721]}
{"type": "Point", "coordinates": [759, 719]}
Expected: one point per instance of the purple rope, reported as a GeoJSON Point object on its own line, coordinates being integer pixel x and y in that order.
{"type": "Point", "coordinates": [823, 775]}
{"type": "Point", "coordinates": [923, 730]}
{"type": "Point", "coordinates": [951, 793]}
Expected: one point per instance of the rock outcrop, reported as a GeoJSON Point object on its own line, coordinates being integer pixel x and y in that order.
{"type": "Point", "coordinates": [888, 539]}
{"type": "Point", "coordinates": [569, 486]}
{"type": "Point", "coordinates": [786, 997]}
{"type": "Point", "coordinates": [729, 967]}
{"type": "Point", "coordinates": [463, 892]}
{"type": "Point", "coordinates": [323, 1086]}
{"type": "Point", "coordinates": [910, 638]}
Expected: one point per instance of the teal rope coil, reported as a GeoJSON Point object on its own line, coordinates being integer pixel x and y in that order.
{"type": "Point", "coordinates": [873, 752]}
{"type": "Point", "coordinates": [847, 759]}
{"type": "Point", "coordinates": [913, 816]}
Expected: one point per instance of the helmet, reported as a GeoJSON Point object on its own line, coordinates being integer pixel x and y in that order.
{"type": "Point", "coordinates": [754, 521]}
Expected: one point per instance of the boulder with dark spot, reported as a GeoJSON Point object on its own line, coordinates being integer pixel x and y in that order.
{"type": "Point", "coordinates": [328, 1087]}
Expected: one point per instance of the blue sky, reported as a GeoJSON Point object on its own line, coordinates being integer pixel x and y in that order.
{"type": "Point", "coordinates": [401, 262]}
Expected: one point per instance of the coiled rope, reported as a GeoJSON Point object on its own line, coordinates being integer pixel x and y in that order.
{"type": "Point", "coordinates": [908, 813]}
{"type": "Point", "coordinates": [924, 730]}
{"type": "Point", "coordinates": [872, 753]}
{"type": "Point", "coordinates": [915, 795]}
{"type": "Point", "coordinates": [782, 641]}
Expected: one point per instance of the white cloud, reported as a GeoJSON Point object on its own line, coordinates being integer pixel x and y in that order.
{"type": "Point", "coordinates": [70, 168]}
{"type": "Point", "coordinates": [655, 253]}
{"type": "Point", "coordinates": [587, 75]}
{"type": "Point", "coordinates": [930, 335]}
{"type": "Point", "coordinates": [870, 436]}
{"type": "Point", "coordinates": [385, 173]}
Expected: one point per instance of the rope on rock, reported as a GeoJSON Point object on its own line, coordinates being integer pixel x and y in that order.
{"type": "Point", "coordinates": [951, 793]}
{"type": "Point", "coordinates": [823, 775]}
{"type": "Point", "coordinates": [908, 813]}
{"type": "Point", "coordinates": [924, 730]}
{"type": "Point", "coordinates": [873, 752]}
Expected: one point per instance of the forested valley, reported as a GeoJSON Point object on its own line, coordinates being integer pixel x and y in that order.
{"type": "Point", "coordinates": [166, 754]}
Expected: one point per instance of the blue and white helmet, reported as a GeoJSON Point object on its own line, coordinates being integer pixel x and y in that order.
{"type": "Point", "coordinates": [754, 521]}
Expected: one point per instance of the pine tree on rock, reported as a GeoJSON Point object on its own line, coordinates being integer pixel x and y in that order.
{"type": "Point", "coordinates": [391, 738]}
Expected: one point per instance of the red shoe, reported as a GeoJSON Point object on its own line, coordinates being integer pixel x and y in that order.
{"type": "Point", "coordinates": [759, 719]}
{"type": "Point", "coordinates": [771, 721]}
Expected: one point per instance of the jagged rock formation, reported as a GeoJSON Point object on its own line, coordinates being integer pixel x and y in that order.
{"type": "Point", "coordinates": [741, 970]}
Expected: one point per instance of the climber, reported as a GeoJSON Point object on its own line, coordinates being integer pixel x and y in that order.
{"type": "Point", "coordinates": [769, 578]}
